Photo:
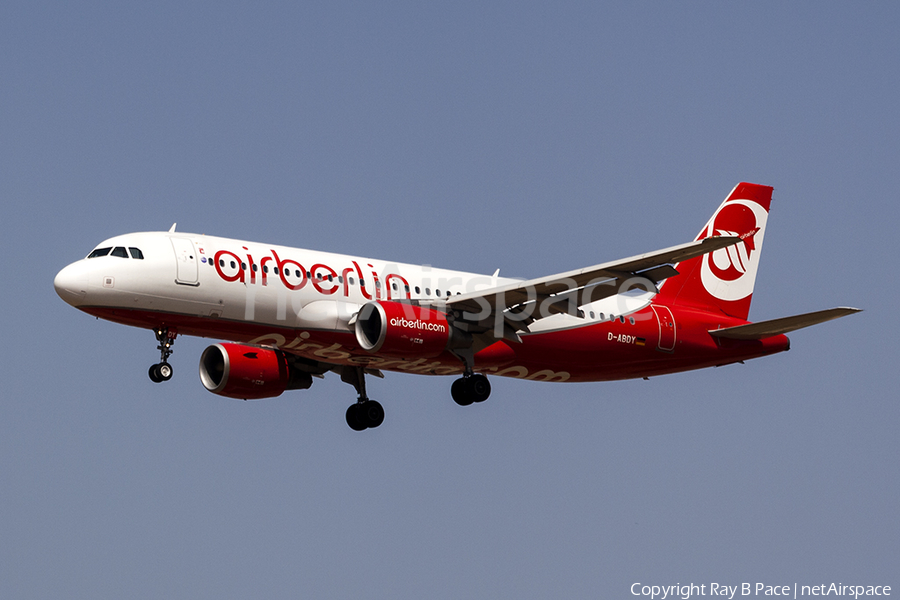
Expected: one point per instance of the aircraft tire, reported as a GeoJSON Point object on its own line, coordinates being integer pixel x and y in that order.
{"type": "Point", "coordinates": [354, 419]}
{"type": "Point", "coordinates": [164, 371]}
{"type": "Point", "coordinates": [460, 392]}
{"type": "Point", "coordinates": [154, 374]}
{"type": "Point", "coordinates": [373, 413]}
{"type": "Point", "coordinates": [478, 388]}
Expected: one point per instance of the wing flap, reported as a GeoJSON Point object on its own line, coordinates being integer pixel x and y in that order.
{"type": "Point", "coordinates": [765, 329]}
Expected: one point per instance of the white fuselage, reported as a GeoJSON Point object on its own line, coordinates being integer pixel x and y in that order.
{"type": "Point", "coordinates": [265, 284]}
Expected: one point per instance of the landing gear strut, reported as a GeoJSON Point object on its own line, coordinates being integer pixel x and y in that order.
{"type": "Point", "coordinates": [365, 413]}
{"type": "Point", "coordinates": [163, 370]}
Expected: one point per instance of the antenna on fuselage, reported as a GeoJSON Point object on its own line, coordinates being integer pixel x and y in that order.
{"type": "Point", "coordinates": [172, 228]}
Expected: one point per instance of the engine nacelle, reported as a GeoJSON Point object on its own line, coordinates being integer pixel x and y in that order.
{"type": "Point", "coordinates": [249, 372]}
{"type": "Point", "coordinates": [405, 330]}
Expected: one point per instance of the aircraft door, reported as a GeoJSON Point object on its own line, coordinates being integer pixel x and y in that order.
{"type": "Point", "coordinates": [666, 328]}
{"type": "Point", "coordinates": [186, 259]}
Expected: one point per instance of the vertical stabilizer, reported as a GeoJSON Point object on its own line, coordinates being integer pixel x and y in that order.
{"type": "Point", "coordinates": [722, 280]}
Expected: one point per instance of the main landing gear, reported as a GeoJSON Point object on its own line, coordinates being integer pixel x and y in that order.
{"type": "Point", "coordinates": [365, 413]}
{"type": "Point", "coordinates": [163, 370]}
{"type": "Point", "coordinates": [472, 387]}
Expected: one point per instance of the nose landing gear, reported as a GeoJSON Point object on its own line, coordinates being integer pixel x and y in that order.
{"type": "Point", "coordinates": [163, 370]}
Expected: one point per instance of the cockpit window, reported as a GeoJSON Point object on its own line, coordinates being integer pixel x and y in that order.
{"type": "Point", "coordinates": [118, 251]}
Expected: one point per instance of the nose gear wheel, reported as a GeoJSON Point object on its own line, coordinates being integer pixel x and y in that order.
{"type": "Point", "coordinates": [163, 371]}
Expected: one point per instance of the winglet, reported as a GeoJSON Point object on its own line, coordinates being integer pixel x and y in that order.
{"type": "Point", "coordinates": [172, 228]}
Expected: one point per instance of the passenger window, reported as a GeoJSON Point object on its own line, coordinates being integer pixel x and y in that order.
{"type": "Point", "coordinates": [417, 290]}
{"type": "Point", "coordinates": [631, 319]}
{"type": "Point", "coordinates": [427, 291]}
{"type": "Point", "coordinates": [437, 292]}
{"type": "Point", "coordinates": [99, 252]}
{"type": "Point", "coordinates": [135, 253]}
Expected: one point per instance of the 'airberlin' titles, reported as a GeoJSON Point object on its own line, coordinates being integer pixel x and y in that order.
{"type": "Point", "coordinates": [294, 276]}
{"type": "Point", "coordinates": [408, 324]}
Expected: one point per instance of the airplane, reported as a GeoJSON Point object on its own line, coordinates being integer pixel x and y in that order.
{"type": "Point", "coordinates": [290, 315]}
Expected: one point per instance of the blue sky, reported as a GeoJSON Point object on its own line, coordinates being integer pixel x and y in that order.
{"type": "Point", "coordinates": [523, 136]}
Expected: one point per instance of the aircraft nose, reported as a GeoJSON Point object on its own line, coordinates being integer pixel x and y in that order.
{"type": "Point", "coordinates": [71, 284]}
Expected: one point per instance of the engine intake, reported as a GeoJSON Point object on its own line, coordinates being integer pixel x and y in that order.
{"type": "Point", "coordinates": [249, 372]}
{"type": "Point", "coordinates": [404, 330]}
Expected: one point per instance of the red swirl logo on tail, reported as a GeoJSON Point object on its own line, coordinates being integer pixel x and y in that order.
{"type": "Point", "coordinates": [729, 264]}
{"type": "Point", "coordinates": [729, 273]}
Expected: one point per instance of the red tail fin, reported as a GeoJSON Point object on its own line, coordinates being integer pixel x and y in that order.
{"type": "Point", "coordinates": [723, 280]}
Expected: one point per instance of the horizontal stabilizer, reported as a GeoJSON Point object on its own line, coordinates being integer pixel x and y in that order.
{"type": "Point", "coordinates": [764, 329]}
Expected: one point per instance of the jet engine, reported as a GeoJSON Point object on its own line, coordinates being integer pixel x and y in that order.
{"type": "Point", "coordinates": [249, 372]}
{"type": "Point", "coordinates": [405, 330]}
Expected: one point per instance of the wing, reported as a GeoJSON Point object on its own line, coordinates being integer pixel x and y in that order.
{"type": "Point", "coordinates": [521, 303]}
{"type": "Point", "coordinates": [764, 329]}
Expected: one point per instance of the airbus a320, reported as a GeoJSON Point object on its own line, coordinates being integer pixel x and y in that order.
{"type": "Point", "coordinates": [289, 315]}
